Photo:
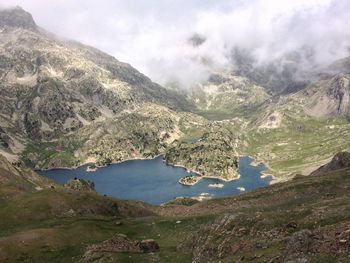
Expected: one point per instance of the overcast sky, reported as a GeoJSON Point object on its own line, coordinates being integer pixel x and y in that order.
{"type": "Point", "coordinates": [152, 35]}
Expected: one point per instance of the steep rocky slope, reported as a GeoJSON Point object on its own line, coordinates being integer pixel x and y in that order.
{"type": "Point", "coordinates": [329, 97]}
{"type": "Point", "coordinates": [50, 87]}
{"type": "Point", "coordinates": [298, 132]}
{"type": "Point", "coordinates": [143, 133]}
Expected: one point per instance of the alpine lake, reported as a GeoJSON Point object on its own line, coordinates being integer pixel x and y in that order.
{"type": "Point", "coordinates": [155, 182]}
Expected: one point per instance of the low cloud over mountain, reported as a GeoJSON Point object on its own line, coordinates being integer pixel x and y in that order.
{"type": "Point", "coordinates": [184, 41]}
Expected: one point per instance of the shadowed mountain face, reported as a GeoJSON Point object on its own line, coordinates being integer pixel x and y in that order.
{"type": "Point", "coordinates": [17, 17]}
{"type": "Point", "coordinates": [340, 161]}
{"type": "Point", "coordinates": [290, 73]}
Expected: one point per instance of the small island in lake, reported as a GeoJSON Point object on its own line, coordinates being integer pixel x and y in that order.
{"type": "Point", "coordinates": [190, 180]}
{"type": "Point", "coordinates": [91, 168]}
{"type": "Point", "coordinates": [216, 185]}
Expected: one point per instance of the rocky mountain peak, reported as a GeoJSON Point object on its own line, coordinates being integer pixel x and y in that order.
{"type": "Point", "coordinates": [17, 17]}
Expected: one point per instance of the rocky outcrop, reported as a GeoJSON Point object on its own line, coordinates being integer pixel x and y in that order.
{"type": "Point", "coordinates": [80, 185]}
{"type": "Point", "coordinates": [119, 243]}
{"type": "Point", "coordinates": [5, 140]}
{"type": "Point", "coordinates": [340, 161]}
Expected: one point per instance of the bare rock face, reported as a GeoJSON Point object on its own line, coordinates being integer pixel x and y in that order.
{"type": "Point", "coordinates": [329, 97]}
{"type": "Point", "coordinates": [119, 243]}
{"type": "Point", "coordinates": [226, 92]}
{"type": "Point", "coordinates": [340, 161]}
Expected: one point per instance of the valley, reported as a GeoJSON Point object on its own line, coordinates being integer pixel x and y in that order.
{"type": "Point", "coordinates": [46, 123]}
{"type": "Point", "coordinates": [98, 163]}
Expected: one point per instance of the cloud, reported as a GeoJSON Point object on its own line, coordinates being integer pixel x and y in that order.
{"type": "Point", "coordinates": [153, 35]}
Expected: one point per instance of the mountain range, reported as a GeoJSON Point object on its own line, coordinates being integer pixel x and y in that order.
{"type": "Point", "coordinates": [64, 104]}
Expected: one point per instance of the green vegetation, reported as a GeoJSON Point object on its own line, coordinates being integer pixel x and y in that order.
{"type": "Point", "coordinates": [190, 180]}
{"type": "Point", "coordinates": [44, 155]}
{"type": "Point", "coordinates": [298, 145]}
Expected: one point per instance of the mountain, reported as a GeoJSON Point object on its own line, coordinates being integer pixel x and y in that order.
{"type": "Point", "coordinates": [227, 95]}
{"type": "Point", "coordinates": [64, 104]}
{"type": "Point", "coordinates": [60, 99]}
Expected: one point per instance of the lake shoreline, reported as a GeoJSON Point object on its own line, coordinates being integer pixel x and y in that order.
{"type": "Point", "coordinates": [264, 174]}
{"type": "Point", "coordinates": [203, 176]}
{"type": "Point", "coordinates": [97, 166]}
{"type": "Point", "coordinates": [140, 159]}
{"type": "Point", "coordinates": [155, 182]}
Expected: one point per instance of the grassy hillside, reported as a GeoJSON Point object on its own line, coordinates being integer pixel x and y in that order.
{"type": "Point", "coordinates": [305, 219]}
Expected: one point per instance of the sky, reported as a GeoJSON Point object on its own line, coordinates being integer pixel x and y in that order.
{"type": "Point", "coordinates": [153, 35]}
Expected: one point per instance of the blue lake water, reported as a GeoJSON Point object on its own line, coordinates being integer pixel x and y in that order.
{"type": "Point", "coordinates": [155, 182]}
